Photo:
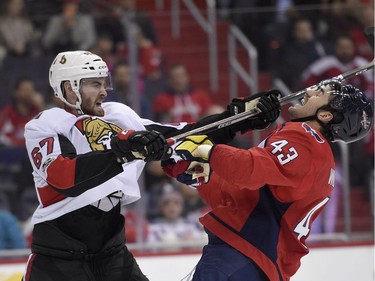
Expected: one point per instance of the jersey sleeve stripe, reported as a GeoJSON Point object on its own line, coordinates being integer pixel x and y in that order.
{"type": "Point", "coordinates": [49, 196]}
{"type": "Point", "coordinates": [61, 172]}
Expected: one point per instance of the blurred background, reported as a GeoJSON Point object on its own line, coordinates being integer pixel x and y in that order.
{"type": "Point", "coordinates": [179, 60]}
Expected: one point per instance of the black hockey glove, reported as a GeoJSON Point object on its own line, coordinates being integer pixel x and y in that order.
{"type": "Point", "coordinates": [266, 103]}
{"type": "Point", "coordinates": [129, 145]}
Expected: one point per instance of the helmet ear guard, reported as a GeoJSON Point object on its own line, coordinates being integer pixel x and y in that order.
{"type": "Point", "coordinates": [356, 115]}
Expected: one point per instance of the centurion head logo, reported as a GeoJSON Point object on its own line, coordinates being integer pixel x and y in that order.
{"type": "Point", "coordinates": [97, 132]}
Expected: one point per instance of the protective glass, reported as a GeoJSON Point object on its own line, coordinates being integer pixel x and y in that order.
{"type": "Point", "coordinates": [99, 82]}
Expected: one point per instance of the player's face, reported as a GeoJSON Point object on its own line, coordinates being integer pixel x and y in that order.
{"type": "Point", "coordinates": [313, 99]}
{"type": "Point", "coordinates": [93, 92]}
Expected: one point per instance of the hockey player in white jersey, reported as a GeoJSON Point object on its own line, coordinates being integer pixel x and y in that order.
{"type": "Point", "coordinates": [84, 170]}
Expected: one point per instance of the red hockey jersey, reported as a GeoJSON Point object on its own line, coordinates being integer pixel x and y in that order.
{"type": "Point", "coordinates": [264, 200]}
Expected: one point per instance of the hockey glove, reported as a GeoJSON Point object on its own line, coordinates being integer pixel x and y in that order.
{"type": "Point", "coordinates": [265, 103]}
{"type": "Point", "coordinates": [195, 148]}
{"type": "Point", "coordinates": [195, 170]}
{"type": "Point", "coordinates": [193, 173]}
{"type": "Point", "coordinates": [129, 145]}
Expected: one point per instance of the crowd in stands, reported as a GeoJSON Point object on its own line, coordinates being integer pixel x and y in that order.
{"type": "Point", "coordinates": [300, 42]}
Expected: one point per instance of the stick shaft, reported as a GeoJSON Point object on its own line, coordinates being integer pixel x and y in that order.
{"type": "Point", "coordinates": [244, 115]}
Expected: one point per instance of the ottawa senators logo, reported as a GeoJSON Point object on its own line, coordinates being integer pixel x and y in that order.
{"type": "Point", "coordinates": [98, 132]}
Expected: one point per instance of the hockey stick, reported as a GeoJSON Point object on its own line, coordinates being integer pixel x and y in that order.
{"type": "Point", "coordinates": [244, 115]}
{"type": "Point", "coordinates": [369, 32]}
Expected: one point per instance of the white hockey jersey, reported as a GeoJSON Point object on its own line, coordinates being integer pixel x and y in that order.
{"type": "Point", "coordinates": [86, 133]}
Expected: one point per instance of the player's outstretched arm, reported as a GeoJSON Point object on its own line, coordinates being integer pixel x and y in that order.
{"type": "Point", "coordinates": [129, 145]}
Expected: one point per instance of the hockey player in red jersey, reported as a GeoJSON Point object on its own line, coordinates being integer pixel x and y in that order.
{"type": "Point", "coordinates": [82, 158]}
{"type": "Point", "coordinates": [265, 199]}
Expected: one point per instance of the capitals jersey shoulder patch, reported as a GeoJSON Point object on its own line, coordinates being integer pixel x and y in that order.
{"type": "Point", "coordinates": [310, 130]}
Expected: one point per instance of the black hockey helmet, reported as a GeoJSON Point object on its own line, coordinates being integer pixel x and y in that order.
{"type": "Point", "coordinates": [356, 113]}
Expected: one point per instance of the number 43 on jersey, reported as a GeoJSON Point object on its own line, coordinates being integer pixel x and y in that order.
{"type": "Point", "coordinates": [283, 157]}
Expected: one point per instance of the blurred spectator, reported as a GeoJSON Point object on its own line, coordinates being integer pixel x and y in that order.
{"type": "Point", "coordinates": [344, 59]}
{"type": "Point", "coordinates": [154, 174]}
{"type": "Point", "coordinates": [104, 48]}
{"type": "Point", "coordinates": [297, 53]}
{"type": "Point", "coordinates": [132, 221]}
{"type": "Point", "coordinates": [181, 102]}
{"type": "Point", "coordinates": [17, 33]}
{"type": "Point", "coordinates": [69, 30]}
{"type": "Point", "coordinates": [319, 13]}
{"type": "Point", "coordinates": [11, 236]}
{"type": "Point", "coordinates": [150, 56]}
{"type": "Point", "coordinates": [128, 10]}
{"type": "Point", "coordinates": [121, 90]}
{"type": "Point", "coordinates": [26, 104]}
{"type": "Point", "coordinates": [265, 23]}
{"type": "Point", "coordinates": [154, 85]}
{"type": "Point", "coordinates": [195, 207]}
{"type": "Point", "coordinates": [171, 226]}
{"type": "Point", "coordinates": [41, 11]}
{"type": "Point", "coordinates": [15, 167]}
{"type": "Point", "coordinates": [108, 22]}
{"type": "Point", "coordinates": [155, 180]}
{"type": "Point", "coordinates": [352, 17]}
{"type": "Point", "coordinates": [365, 19]}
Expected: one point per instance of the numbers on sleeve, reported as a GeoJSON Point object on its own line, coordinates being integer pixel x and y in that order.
{"type": "Point", "coordinates": [49, 143]}
{"type": "Point", "coordinates": [281, 155]}
{"type": "Point", "coordinates": [36, 154]}
{"type": "Point", "coordinates": [303, 227]}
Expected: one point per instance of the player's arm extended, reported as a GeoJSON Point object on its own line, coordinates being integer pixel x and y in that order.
{"type": "Point", "coordinates": [54, 158]}
{"type": "Point", "coordinates": [280, 163]}
{"type": "Point", "coordinates": [267, 104]}
{"type": "Point", "coordinates": [223, 135]}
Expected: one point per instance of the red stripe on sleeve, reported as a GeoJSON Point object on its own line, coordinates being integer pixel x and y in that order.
{"type": "Point", "coordinates": [61, 172]}
{"type": "Point", "coordinates": [49, 196]}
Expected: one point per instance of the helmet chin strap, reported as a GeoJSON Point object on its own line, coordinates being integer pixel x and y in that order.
{"type": "Point", "coordinates": [77, 106]}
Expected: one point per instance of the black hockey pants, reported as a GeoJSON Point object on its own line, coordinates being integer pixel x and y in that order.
{"type": "Point", "coordinates": [58, 257]}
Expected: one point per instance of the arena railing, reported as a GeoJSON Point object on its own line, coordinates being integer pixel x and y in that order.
{"type": "Point", "coordinates": [208, 25]}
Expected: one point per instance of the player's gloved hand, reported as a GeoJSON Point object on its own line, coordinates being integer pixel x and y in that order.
{"type": "Point", "coordinates": [192, 173]}
{"type": "Point", "coordinates": [194, 170]}
{"type": "Point", "coordinates": [129, 145]}
{"type": "Point", "coordinates": [265, 103]}
{"type": "Point", "coordinates": [195, 148]}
